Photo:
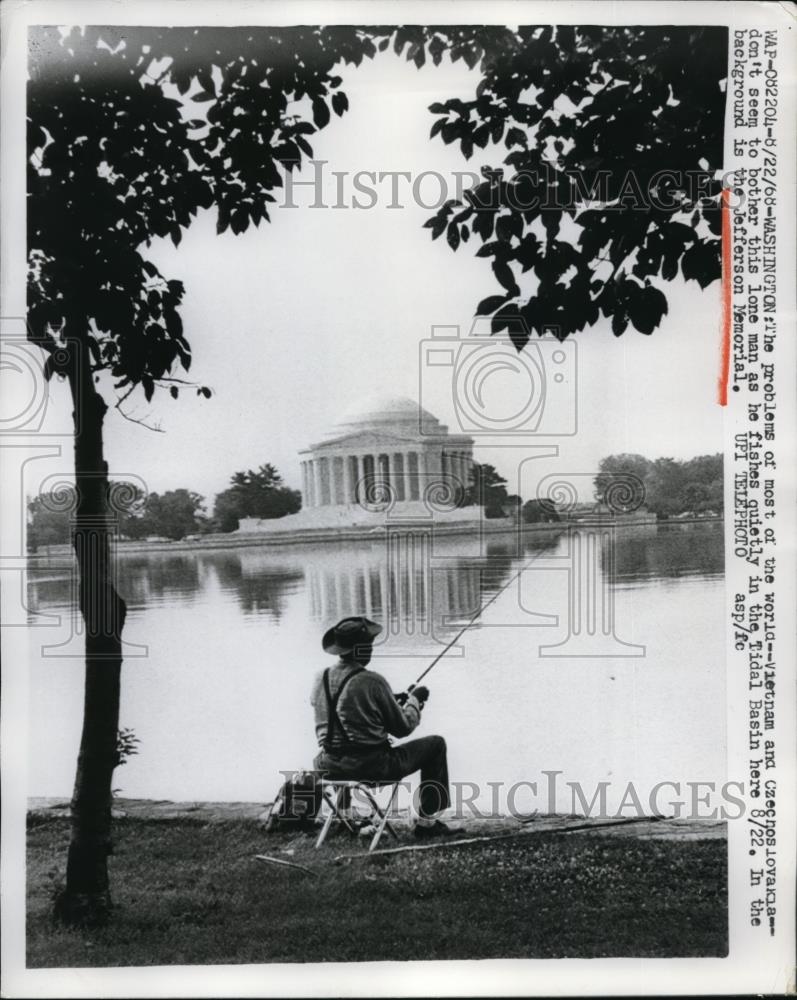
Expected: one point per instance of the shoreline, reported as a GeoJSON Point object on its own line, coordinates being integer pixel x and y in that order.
{"type": "Point", "coordinates": [165, 810]}
{"type": "Point", "coordinates": [358, 534]}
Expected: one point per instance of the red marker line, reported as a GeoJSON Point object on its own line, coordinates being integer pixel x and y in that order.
{"type": "Point", "coordinates": [725, 328]}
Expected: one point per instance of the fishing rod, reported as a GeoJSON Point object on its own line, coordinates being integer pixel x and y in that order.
{"type": "Point", "coordinates": [471, 621]}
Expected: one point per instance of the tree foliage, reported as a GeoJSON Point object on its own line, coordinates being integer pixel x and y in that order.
{"type": "Point", "coordinates": [609, 186]}
{"type": "Point", "coordinates": [261, 493]}
{"type": "Point", "coordinates": [48, 519]}
{"type": "Point", "coordinates": [51, 516]}
{"type": "Point", "coordinates": [632, 470]}
{"type": "Point", "coordinates": [488, 490]}
{"type": "Point", "coordinates": [173, 514]}
{"type": "Point", "coordinates": [133, 131]}
{"type": "Point", "coordinates": [542, 511]}
{"type": "Point", "coordinates": [665, 486]}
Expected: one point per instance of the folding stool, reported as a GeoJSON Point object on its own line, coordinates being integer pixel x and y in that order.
{"type": "Point", "coordinates": [337, 796]}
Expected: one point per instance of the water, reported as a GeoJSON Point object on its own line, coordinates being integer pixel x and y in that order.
{"type": "Point", "coordinates": [223, 646]}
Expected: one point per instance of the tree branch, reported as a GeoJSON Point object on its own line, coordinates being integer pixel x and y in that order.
{"type": "Point", "coordinates": [46, 341]}
{"type": "Point", "coordinates": [135, 420]}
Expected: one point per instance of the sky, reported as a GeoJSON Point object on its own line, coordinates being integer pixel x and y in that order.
{"type": "Point", "coordinates": [293, 323]}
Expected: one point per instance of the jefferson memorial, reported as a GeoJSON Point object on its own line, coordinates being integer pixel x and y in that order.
{"type": "Point", "coordinates": [387, 456]}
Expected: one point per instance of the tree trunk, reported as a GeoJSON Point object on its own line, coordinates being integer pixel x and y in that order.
{"type": "Point", "coordinates": [86, 897]}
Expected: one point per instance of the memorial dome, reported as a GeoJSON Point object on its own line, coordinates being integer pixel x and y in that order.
{"type": "Point", "coordinates": [385, 411]}
{"type": "Point", "coordinates": [386, 440]}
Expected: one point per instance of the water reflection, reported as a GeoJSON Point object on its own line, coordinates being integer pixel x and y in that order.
{"type": "Point", "coordinates": [399, 585]}
{"type": "Point", "coordinates": [233, 639]}
{"type": "Point", "coordinates": [417, 586]}
{"type": "Point", "coordinates": [145, 580]}
{"type": "Point", "coordinates": [409, 582]}
{"type": "Point", "coordinates": [260, 586]}
{"type": "Point", "coordinates": [670, 549]}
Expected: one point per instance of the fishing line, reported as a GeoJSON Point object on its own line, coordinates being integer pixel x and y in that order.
{"type": "Point", "coordinates": [472, 620]}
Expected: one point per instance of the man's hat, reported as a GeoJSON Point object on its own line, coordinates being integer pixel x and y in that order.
{"type": "Point", "coordinates": [348, 634]}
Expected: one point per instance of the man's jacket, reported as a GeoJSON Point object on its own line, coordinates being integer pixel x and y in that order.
{"type": "Point", "coordinates": [367, 709]}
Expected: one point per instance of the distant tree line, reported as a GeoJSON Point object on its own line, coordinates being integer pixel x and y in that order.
{"type": "Point", "coordinates": [663, 486]}
{"type": "Point", "coordinates": [175, 514]}
{"type": "Point", "coordinates": [666, 487]}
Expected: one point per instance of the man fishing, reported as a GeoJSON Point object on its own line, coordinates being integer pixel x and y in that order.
{"type": "Point", "coordinates": [355, 714]}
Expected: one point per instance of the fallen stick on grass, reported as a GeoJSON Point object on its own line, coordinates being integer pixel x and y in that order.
{"type": "Point", "coordinates": [502, 836]}
{"type": "Point", "coordinates": [429, 847]}
{"type": "Point", "coordinates": [267, 859]}
{"type": "Point", "coordinates": [625, 821]}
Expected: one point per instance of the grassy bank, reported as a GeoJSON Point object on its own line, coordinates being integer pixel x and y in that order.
{"type": "Point", "coordinates": [190, 892]}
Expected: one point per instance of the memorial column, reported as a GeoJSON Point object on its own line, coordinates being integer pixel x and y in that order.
{"type": "Point", "coordinates": [347, 490]}
{"type": "Point", "coordinates": [317, 488]}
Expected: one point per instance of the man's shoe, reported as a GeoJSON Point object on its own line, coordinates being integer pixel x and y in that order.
{"type": "Point", "coordinates": [436, 830]}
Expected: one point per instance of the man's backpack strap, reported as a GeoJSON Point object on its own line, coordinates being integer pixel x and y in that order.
{"type": "Point", "coordinates": [332, 705]}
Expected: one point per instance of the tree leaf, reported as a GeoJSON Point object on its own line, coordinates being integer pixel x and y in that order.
{"type": "Point", "coordinates": [340, 102]}
{"type": "Point", "coordinates": [320, 112]}
{"type": "Point", "coordinates": [239, 221]}
{"type": "Point", "coordinates": [670, 266]}
{"type": "Point", "coordinates": [437, 224]}
{"type": "Point", "coordinates": [619, 323]}
{"type": "Point", "coordinates": [701, 262]}
{"type": "Point", "coordinates": [488, 306]}
{"type": "Point", "coordinates": [647, 309]}
{"type": "Point", "coordinates": [503, 273]}
{"type": "Point", "coordinates": [488, 250]}
{"type": "Point", "coordinates": [508, 318]}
